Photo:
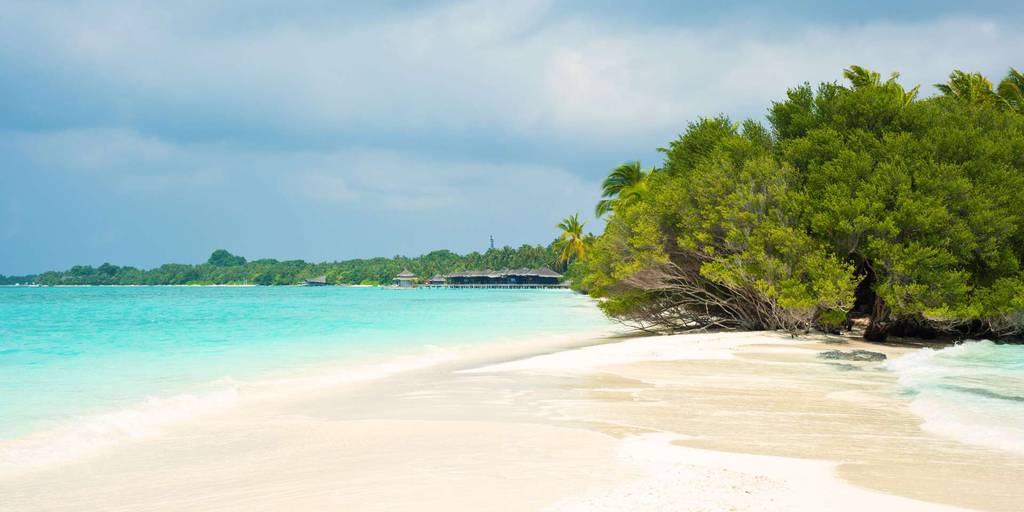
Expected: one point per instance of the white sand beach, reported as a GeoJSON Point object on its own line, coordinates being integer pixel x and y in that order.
{"type": "Point", "coordinates": [696, 422]}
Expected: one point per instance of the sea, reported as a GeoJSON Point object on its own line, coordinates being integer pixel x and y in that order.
{"type": "Point", "coordinates": [85, 368]}
{"type": "Point", "coordinates": [972, 392]}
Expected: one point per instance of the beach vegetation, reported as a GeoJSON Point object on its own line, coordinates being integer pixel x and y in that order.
{"type": "Point", "coordinates": [624, 185]}
{"type": "Point", "coordinates": [857, 200]}
{"type": "Point", "coordinates": [223, 267]}
{"type": "Point", "coordinates": [9, 280]}
{"type": "Point", "coordinates": [571, 244]}
{"type": "Point", "coordinates": [223, 258]}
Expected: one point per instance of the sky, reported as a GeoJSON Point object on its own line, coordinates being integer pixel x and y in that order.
{"type": "Point", "coordinates": [140, 133]}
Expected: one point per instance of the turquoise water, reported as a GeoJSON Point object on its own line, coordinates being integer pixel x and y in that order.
{"type": "Point", "coordinates": [108, 360]}
{"type": "Point", "coordinates": [972, 392]}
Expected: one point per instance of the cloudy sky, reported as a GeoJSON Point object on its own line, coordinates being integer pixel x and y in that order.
{"type": "Point", "coordinates": [141, 133]}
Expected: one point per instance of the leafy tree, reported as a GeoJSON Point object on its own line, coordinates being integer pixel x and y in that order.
{"type": "Point", "coordinates": [625, 184]}
{"type": "Point", "coordinates": [860, 200]}
{"type": "Point", "coordinates": [223, 258]}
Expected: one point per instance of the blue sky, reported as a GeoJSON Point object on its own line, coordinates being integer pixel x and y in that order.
{"type": "Point", "coordinates": [142, 133]}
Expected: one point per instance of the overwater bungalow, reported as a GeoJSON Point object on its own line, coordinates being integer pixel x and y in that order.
{"type": "Point", "coordinates": [437, 280]}
{"type": "Point", "coordinates": [405, 279]}
{"type": "Point", "coordinates": [510, 278]}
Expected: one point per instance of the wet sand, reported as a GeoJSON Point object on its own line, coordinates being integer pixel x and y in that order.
{"type": "Point", "coordinates": [727, 421]}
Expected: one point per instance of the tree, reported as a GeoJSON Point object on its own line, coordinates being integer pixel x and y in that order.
{"type": "Point", "coordinates": [862, 78]}
{"type": "Point", "coordinates": [972, 88]}
{"type": "Point", "coordinates": [223, 258]}
{"type": "Point", "coordinates": [862, 200]}
{"type": "Point", "coordinates": [1011, 91]}
{"type": "Point", "coordinates": [571, 243]}
{"type": "Point", "coordinates": [225, 268]}
{"type": "Point", "coordinates": [625, 184]}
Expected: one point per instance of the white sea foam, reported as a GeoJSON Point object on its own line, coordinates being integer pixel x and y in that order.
{"type": "Point", "coordinates": [972, 392]}
{"type": "Point", "coordinates": [92, 434]}
{"type": "Point", "coordinates": [657, 348]}
{"type": "Point", "coordinates": [89, 435]}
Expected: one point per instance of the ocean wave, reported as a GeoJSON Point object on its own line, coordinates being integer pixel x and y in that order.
{"type": "Point", "coordinates": [89, 435]}
{"type": "Point", "coordinates": [971, 392]}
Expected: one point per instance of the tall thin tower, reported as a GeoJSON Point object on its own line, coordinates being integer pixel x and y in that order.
{"type": "Point", "coordinates": [492, 241]}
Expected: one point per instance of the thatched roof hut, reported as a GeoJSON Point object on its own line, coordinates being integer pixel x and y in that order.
{"type": "Point", "coordinates": [317, 281]}
{"type": "Point", "coordinates": [520, 276]}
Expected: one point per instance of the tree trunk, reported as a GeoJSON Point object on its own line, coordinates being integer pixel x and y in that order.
{"type": "Point", "coordinates": [878, 327]}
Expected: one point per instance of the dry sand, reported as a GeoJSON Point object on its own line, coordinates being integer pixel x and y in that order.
{"type": "Point", "coordinates": [710, 422]}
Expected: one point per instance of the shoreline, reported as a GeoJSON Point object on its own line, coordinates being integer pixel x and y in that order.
{"type": "Point", "coordinates": [713, 420]}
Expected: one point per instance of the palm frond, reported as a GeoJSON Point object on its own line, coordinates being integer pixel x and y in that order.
{"type": "Point", "coordinates": [861, 77]}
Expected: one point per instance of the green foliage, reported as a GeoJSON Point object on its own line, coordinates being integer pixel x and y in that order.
{"type": "Point", "coordinates": [225, 268]}
{"type": "Point", "coordinates": [916, 201]}
{"type": "Point", "coordinates": [972, 88]}
{"type": "Point", "coordinates": [1011, 91]}
{"type": "Point", "coordinates": [571, 244]}
{"type": "Point", "coordinates": [223, 258]}
{"type": "Point", "coordinates": [624, 185]}
{"type": "Point", "coordinates": [9, 280]}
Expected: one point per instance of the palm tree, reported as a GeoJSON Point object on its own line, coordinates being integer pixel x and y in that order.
{"type": "Point", "coordinates": [625, 184]}
{"type": "Point", "coordinates": [972, 88]}
{"type": "Point", "coordinates": [571, 242]}
{"type": "Point", "coordinates": [862, 78]}
{"type": "Point", "coordinates": [1011, 91]}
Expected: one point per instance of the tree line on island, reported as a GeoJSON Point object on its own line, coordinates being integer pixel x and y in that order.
{"type": "Point", "coordinates": [858, 202]}
{"type": "Point", "coordinates": [225, 268]}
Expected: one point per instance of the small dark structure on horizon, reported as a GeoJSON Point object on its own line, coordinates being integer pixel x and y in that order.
{"type": "Point", "coordinates": [317, 281]}
{"type": "Point", "coordinates": [512, 278]}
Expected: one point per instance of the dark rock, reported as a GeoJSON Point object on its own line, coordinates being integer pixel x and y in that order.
{"type": "Point", "coordinates": [853, 355]}
{"type": "Point", "coordinates": [834, 341]}
{"type": "Point", "coordinates": [845, 367]}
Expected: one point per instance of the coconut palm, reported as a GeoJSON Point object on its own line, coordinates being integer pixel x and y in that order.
{"type": "Point", "coordinates": [862, 78]}
{"type": "Point", "coordinates": [1011, 91]}
{"type": "Point", "coordinates": [571, 242]}
{"type": "Point", "coordinates": [625, 184]}
{"type": "Point", "coordinates": [970, 87]}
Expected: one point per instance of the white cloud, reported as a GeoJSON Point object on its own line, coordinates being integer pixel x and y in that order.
{"type": "Point", "coordinates": [466, 67]}
{"type": "Point", "coordinates": [122, 159]}
{"type": "Point", "coordinates": [389, 181]}
{"type": "Point", "coordinates": [364, 180]}
{"type": "Point", "coordinates": [195, 119]}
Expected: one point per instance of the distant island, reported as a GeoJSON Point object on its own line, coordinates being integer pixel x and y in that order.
{"type": "Point", "coordinates": [225, 268]}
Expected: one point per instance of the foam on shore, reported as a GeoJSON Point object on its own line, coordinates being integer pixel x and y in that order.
{"type": "Point", "coordinates": [89, 435]}
{"type": "Point", "coordinates": [653, 348]}
{"type": "Point", "coordinates": [972, 392]}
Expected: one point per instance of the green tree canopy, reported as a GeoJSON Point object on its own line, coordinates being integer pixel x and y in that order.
{"type": "Point", "coordinates": [223, 258]}
{"type": "Point", "coordinates": [859, 200]}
